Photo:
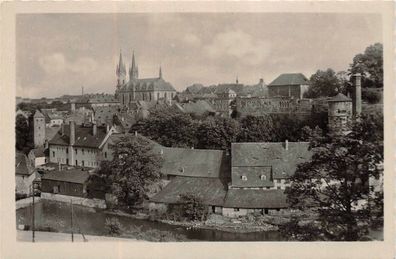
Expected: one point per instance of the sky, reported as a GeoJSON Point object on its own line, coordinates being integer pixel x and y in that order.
{"type": "Point", "coordinates": [59, 53]}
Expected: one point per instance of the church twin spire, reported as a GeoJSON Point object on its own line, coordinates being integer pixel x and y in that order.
{"type": "Point", "coordinates": [133, 70]}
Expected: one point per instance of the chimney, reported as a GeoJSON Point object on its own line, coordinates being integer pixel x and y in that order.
{"type": "Point", "coordinates": [94, 128]}
{"type": "Point", "coordinates": [286, 144]}
{"type": "Point", "coordinates": [73, 106]}
{"type": "Point", "coordinates": [107, 128]}
{"type": "Point", "coordinates": [72, 133]}
{"type": "Point", "coordinates": [357, 98]}
{"type": "Point", "coordinates": [136, 134]}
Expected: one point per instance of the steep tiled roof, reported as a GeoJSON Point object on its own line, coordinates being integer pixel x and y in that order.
{"type": "Point", "coordinates": [38, 152]}
{"type": "Point", "coordinates": [290, 79]}
{"type": "Point", "coordinates": [83, 137]}
{"type": "Point", "coordinates": [210, 190]}
{"type": "Point", "coordinates": [340, 98]}
{"type": "Point", "coordinates": [195, 162]}
{"type": "Point", "coordinates": [71, 176]}
{"type": "Point", "coordinates": [38, 114]}
{"type": "Point", "coordinates": [156, 84]}
{"type": "Point", "coordinates": [22, 165]}
{"type": "Point", "coordinates": [274, 154]}
{"type": "Point", "coordinates": [255, 199]}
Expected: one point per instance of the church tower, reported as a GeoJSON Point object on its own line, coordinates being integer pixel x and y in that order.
{"type": "Point", "coordinates": [121, 72]}
{"type": "Point", "coordinates": [133, 70]}
{"type": "Point", "coordinates": [39, 129]}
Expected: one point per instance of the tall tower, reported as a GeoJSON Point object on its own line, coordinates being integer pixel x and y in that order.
{"type": "Point", "coordinates": [160, 72]}
{"type": "Point", "coordinates": [39, 129]}
{"type": "Point", "coordinates": [357, 95]}
{"type": "Point", "coordinates": [339, 114]}
{"type": "Point", "coordinates": [133, 70]}
{"type": "Point", "coordinates": [120, 72]}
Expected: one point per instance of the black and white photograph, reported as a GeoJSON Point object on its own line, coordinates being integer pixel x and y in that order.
{"type": "Point", "coordinates": [186, 127]}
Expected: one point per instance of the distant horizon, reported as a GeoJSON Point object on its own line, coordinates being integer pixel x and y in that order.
{"type": "Point", "coordinates": [58, 53]}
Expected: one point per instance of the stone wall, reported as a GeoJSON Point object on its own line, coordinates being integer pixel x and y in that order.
{"type": "Point", "coordinates": [262, 105]}
{"type": "Point", "coordinates": [93, 203]}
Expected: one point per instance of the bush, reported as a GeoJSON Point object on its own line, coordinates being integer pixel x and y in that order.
{"type": "Point", "coordinates": [113, 227]}
{"type": "Point", "coordinates": [371, 96]}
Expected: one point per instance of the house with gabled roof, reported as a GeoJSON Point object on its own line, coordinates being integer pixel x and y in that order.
{"type": "Point", "coordinates": [292, 85]}
{"type": "Point", "coordinates": [80, 145]}
{"type": "Point", "coordinates": [260, 173]}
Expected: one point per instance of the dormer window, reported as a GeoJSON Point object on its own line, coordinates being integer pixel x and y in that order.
{"type": "Point", "coordinates": [181, 169]}
{"type": "Point", "coordinates": [244, 178]}
{"type": "Point", "coordinates": [263, 177]}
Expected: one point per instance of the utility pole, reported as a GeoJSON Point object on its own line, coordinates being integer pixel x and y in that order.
{"type": "Point", "coordinates": [33, 214]}
{"type": "Point", "coordinates": [71, 220]}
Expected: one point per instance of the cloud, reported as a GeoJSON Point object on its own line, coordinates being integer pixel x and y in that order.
{"type": "Point", "coordinates": [191, 39]}
{"type": "Point", "coordinates": [239, 45]}
{"type": "Point", "coordinates": [56, 63]}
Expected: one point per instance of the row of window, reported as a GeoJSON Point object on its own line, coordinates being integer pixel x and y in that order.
{"type": "Point", "coordinates": [89, 151]}
{"type": "Point", "coordinates": [262, 177]}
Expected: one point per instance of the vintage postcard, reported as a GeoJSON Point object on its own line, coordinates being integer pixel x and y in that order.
{"type": "Point", "coordinates": [197, 130]}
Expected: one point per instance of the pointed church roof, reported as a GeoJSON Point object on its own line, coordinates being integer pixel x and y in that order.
{"type": "Point", "coordinates": [121, 66]}
{"type": "Point", "coordinates": [38, 114]}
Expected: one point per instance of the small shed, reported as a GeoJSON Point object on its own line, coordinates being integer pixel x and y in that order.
{"type": "Point", "coordinates": [67, 182]}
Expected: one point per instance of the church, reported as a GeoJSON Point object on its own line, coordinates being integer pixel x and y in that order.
{"type": "Point", "coordinates": [140, 89]}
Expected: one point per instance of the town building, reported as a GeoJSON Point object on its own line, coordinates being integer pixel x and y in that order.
{"type": "Point", "coordinates": [289, 85]}
{"type": "Point", "coordinates": [141, 89]}
{"type": "Point", "coordinates": [80, 145]}
{"type": "Point", "coordinates": [260, 173]}
{"type": "Point", "coordinates": [38, 156]}
{"type": "Point", "coordinates": [25, 174]}
{"type": "Point", "coordinates": [65, 182]}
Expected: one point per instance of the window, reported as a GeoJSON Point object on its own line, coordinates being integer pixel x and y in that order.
{"type": "Point", "coordinates": [67, 151]}
{"type": "Point", "coordinates": [278, 187]}
{"type": "Point", "coordinates": [76, 151]}
{"type": "Point", "coordinates": [53, 153]}
{"type": "Point", "coordinates": [105, 154]}
{"type": "Point", "coordinates": [82, 162]}
{"type": "Point", "coordinates": [76, 162]}
{"type": "Point", "coordinates": [263, 177]}
{"type": "Point", "coordinates": [236, 209]}
{"type": "Point", "coordinates": [82, 150]}
{"type": "Point", "coordinates": [67, 161]}
{"type": "Point", "coordinates": [244, 178]}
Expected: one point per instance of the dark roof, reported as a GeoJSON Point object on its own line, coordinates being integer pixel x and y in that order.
{"type": "Point", "coordinates": [255, 199]}
{"type": "Point", "coordinates": [283, 162]}
{"type": "Point", "coordinates": [195, 162]}
{"type": "Point", "coordinates": [83, 137]}
{"type": "Point", "coordinates": [71, 176]}
{"type": "Point", "coordinates": [210, 190]}
{"type": "Point", "coordinates": [38, 152]}
{"type": "Point", "coordinates": [155, 84]}
{"type": "Point", "coordinates": [340, 98]}
{"type": "Point", "coordinates": [22, 164]}
{"type": "Point", "coordinates": [290, 79]}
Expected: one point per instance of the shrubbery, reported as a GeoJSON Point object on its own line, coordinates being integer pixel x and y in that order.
{"type": "Point", "coordinates": [371, 96]}
{"type": "Point", "coordinates": [113, 227]}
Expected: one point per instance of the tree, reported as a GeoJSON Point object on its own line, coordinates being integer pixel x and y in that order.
{"type": "Point", "coordinates": [370, 65]}
{"type": "Point", "coordinates": [256, 129]}
{"type": "Point", "coordinates": [324, 83]}
{"type": "Point", "coordinates": [217, 133]}
{"type": "Point", "coordinates": [190, 207]}
{"type": "Point", "coordinates": [287, 127]}
{"type": "Point", "coordinates": [336, 180]}
{"type": "Point", "coordinates": [133, 169]}
{"type": "Point", "coordinates": [22, 134]}
{"type": "Point", "coordinates": [169, 129]}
